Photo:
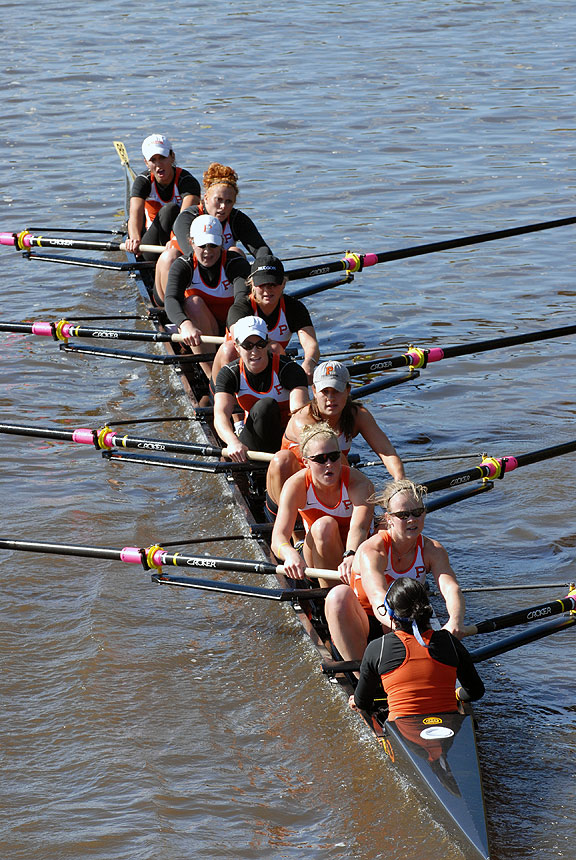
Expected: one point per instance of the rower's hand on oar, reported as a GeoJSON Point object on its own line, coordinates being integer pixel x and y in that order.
{"type": "Point", "coordinates": [236, 451]}
{"type": "Point", "coordinates": [352, 704]}
{"type": "Point", "coordinates": [345, 569]}
{"type": "Point", "coordinates": [132, 245]}
{"type": "Point", "coordinates": [294, 564]}
{"type": "Point", "coordinates": [191, 335]}
{"type": "Point", "coordinates": [455, 628]}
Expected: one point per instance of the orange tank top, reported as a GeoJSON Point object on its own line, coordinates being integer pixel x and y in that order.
{"type": "Point", "coordinates": [421, 685]}
{"type": "Point", "coordinates": [315, 508]}
{"type": "Point", "coordinates": [417, 570]}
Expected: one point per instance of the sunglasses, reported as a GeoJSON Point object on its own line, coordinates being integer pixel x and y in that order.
{"type": "Point", "coordinates": [333, 456]}
{"type": "Point", "coordinates": [404, 515]}
{"type": "Point", "coordinates": [258, 344]}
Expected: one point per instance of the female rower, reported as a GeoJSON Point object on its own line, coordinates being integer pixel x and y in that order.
{"type": "Point", "coordinates": [266, 386]}
{"type": "Point", "coordinates": [158, 195]}
{"type": "Point", "coordinates": [416, 665]}
{"type": "Point", "coordinates": [220, 193]}
{"type": "Point", "coordinates": [262, 295]}
{"type": "Point", "coordinates": [331, 402]}
{"type": "Point", "coordinates": [357, 613]}
{"type": "Point", "coordinates": [199, 292]}
{"type": "Point", "coordinates": [333, 501]}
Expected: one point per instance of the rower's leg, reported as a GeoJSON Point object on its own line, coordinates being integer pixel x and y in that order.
{"type": "Point", "coordinates": [347, 621]}
{"type": "Point", "coordinates": [165, 260]}
{"type": "Point", "coordinates": [263, 427]}
{"type": "Point", "coordinates": [198, 311]}
{"type": "Point", "coordinates": [283, 465]}
{"type": "Point", "coordinates": [323, 546]}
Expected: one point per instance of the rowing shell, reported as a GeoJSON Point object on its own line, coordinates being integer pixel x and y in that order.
{"type": "Point", "coordinates": [438, 752]}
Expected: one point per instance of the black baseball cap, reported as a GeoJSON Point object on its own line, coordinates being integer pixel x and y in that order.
{"type": "Point", "coordinates": [267, 270]}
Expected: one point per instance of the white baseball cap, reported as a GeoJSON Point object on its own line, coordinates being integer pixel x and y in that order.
{"type": "Point", "coordinates": [331, 374]}
{"type": "Point", "coordinates": [250, 326]}
{"type": "Point", "coordinates": [156, 144]}
{"type": "Point", "coordinates": [206, 230]}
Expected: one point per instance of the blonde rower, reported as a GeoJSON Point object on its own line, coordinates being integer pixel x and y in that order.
{"type": "Point", "coordinates": [333, 501]}
{"type": "Point", "coordinates": [357, 613]}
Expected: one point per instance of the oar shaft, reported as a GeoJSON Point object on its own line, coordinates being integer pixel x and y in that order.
{"type": "Point", "coordinates": [533, 613]}
{"type": "Point", "coordinates": [157, 557]}
{"type": "Point", "coordinates": [356, 262]}
{"type": "Point", "coordinates": [532, 634]}
{"type": "Point", "coordinates": [497, 467]}
{"type": "Point", "coordinates": [107, 439]}
{"type": "Point", "coordinates": [420, 357]}
{"type": "Point", "coordinates": [62, 330]}
{"type": "Point", "coordinates": [25, 240]}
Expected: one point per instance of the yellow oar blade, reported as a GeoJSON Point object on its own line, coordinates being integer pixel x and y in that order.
{"type": "Point", "coordinates": [123, 155]}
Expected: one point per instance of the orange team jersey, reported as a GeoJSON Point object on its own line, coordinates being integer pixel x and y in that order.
{"type": "Point", "coordinates": [420, 685]}
{"type": "Point", "coordinates": [289, 445]}
{"type": "Point", "coordinates": [227, 238]}
{"type": "Point", "coordinates": [417, 570]}
{"type": "Point", "coordinates": [219, 298]}
{"type": "Point", "coordinates": [154, 203]}
{"type": "Point", "coordinates": [341, 512]}
{"type": "Point", "coordinates": [248, 396]}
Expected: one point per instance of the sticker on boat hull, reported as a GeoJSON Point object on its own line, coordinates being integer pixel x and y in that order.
{"type": "Point", "coordinates": [436, 733]}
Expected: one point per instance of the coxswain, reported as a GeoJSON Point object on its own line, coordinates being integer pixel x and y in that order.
{"type": "Point", "coordinates": [331, 402]}
{"type": "Point", "coordinates": [200, 288]}
{"type": "Point", "coordinates": [220, 193]}
{"type": "Point", "coordinates": [158, 195]}
{"type": "Point", "coordinates": [262, 295]}
{"type": "Point", "coordinates": [418, 667]}
{"type": "Point", "coordinates": [267, 387]}
{"type": "Point", "coordinates": [334, 503]}
{"type": "Point", "coordinates": [357, 613]}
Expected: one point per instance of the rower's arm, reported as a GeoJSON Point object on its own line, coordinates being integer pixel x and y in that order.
{"type": "Point", "coordinates": [135, 222]}
{"type": "Point", "coordinates": [360, 490]}
{"type": "Point", "coordinates": [436, 559]}
{"type": "Point", "coordinates": [189, 200]}
{"type": "Point", "coordinates": [298, 398]}
{"type": "Point", "coordinates": [309, 343]}
{"type": "Point", "coordinates": [380, 443]}
{"type": "Point", "coordinates": [292, 498]}
{"type": "Point", "coordinates": [368, 562]}
{"type": "Point", "coordinates": [224, 405]}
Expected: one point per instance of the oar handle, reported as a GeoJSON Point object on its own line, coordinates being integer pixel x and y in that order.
{"type": "Point", "coordinates": [146, 249]}
{"type": "Point", "coordinates": [472, 630]}
{"type": "Point", "coordinates": [261, 456]}
{"type": "Point", "coordinates": [316, 573]}
{"type": "Point", "coordinates": [205, 338]}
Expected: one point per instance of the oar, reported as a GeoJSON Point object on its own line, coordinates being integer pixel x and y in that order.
{"type": "Point", "coordinates": [523, 638]}
{"type": "Point", "coordinates": [496, 467]}
{"type": "Point", "coordinates": [522, 616]}
{"type": "Point", "coordinates": [24, 239]}
{"type": "Point", "coordinates": [290, 594]}
{"type": "Point", "coordinates": [106, 439]}
{"type": "Point", "coordinates": [357, 262]}
{"type": "Point", "coordinates": [156, 557]}
{"type": "Point", "coordinates": [62, 330]}
{"type": "Point", "coordinates": [419, 358]}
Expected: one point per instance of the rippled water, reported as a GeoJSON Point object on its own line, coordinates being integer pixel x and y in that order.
{"type": "Point", "coordinates": [139, 723]}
